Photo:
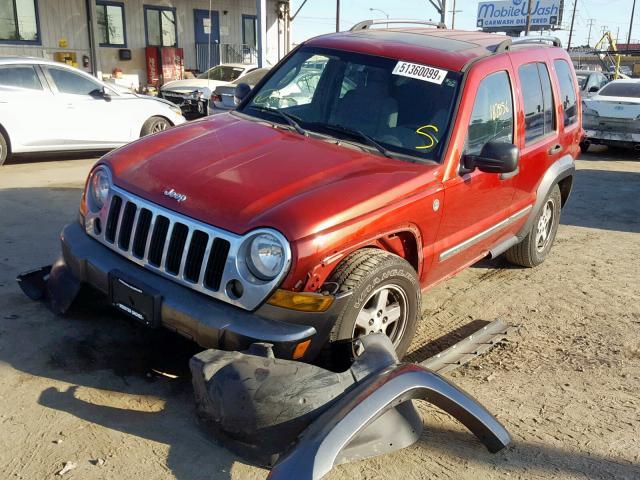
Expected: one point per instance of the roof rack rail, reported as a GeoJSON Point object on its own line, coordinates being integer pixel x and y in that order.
{"type": "Point", "coordinates": [509, 42]}
{"type": "Point", "coordinates": [365, 24]}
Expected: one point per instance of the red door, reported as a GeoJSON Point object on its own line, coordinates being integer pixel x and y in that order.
{"type": "Point", "coordinates": [477, 206]}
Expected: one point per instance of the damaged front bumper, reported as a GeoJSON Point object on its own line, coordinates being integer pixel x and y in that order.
{"type": "Point", "coordinates": [210, 323]}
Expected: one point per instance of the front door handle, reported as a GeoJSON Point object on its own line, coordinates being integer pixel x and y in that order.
{"type": "Point", "coordinates": [555, 149]}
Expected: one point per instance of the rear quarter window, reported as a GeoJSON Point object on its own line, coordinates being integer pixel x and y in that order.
{"type": "Point", "coordinates": [567, 91]}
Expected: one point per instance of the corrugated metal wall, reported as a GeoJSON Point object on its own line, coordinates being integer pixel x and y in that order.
{"type": "Point", "coordinates": [59, 19]}
{"type": "Point", "coordinates": [68, 19]}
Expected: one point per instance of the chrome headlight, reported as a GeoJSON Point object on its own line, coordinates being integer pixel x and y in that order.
{"type": "Point", "coordinates": [98, 188]}
{"type": "Point", "coordinates": [266, 256]}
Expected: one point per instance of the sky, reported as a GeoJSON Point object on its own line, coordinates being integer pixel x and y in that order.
{"type": "Point", "coordinates": [318, 16]}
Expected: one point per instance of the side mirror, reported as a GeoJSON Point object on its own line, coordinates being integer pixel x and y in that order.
{"type": "Point", "coordinates": [242, 90]}
{"type": "Point", "coordinates": [593, 89]}
{"type": "Point", "coordinates": [495, 157]}
{"type": "Point", "coordinates": [100, 93]}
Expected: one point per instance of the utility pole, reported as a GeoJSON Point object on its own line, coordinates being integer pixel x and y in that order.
{"type": "Point", "coordinates": [453, 15]}
{"type": "Point", "coordinates": [618, 36]}
{"type": "Point", "coordinates": [633, 10]}
{"type": "Point", "coordinates": [573, 19]}
{"type": "Point", "coordinates": [528, 28]}
{"type": "Point", "coordinates": [337, 15]}
{"type": "Point", "coordinates": [591, 22]}
{"type": "Point", "coordinates": [441, 7]}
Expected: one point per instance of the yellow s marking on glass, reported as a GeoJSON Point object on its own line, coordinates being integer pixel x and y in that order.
{"type": "Point", "coordinates": [432, 139]}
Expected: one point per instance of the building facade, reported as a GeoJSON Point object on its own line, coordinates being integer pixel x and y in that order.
{"type": "Point", "coordinates": [105, 36]}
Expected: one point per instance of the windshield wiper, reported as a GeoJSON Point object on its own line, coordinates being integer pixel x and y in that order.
{"type": "Point", "coordinates": [285, 116]}
{"type": "Point", "coordinates": [353, 132]}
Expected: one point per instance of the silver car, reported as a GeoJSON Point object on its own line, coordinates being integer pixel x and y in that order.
{"type": "Point", "coordinates": [222, 98]}
{"type": "Point", "coordinates": [612, 116]}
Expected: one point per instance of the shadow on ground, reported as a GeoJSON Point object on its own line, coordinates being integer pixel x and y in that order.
{"type": "Point", "coordinates": [526, 459]}
{"type": "Point", "coordinates": [23, 158]}
{"type": "Point", "coordinates": [608, 200]}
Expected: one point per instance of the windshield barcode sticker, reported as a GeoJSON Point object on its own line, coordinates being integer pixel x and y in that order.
{"type": "Point", "coordinates": [420, 72]}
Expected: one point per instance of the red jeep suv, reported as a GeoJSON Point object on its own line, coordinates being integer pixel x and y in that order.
{"type": "Point", "coordinates": [366, 167]}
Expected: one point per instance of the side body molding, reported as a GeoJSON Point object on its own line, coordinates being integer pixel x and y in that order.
{"type": "Point", "coordinates": [559, 170]}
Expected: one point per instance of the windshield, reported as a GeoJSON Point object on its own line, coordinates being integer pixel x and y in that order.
{"type": "Point", "coordinates": [252, 78]}
{"type": "Point", "coordinates": [621, 90]}
{"type": "Point", "coordinates": [225, 74]}
{"type": "Point", "coordinates": [582, 80]}
{"type": "Point", "coordinates": [404, 107]}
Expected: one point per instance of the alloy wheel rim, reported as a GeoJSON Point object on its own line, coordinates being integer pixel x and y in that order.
{"type": "Point", "coordinates": [545, 224]}
{"type": "Point", "coordinates": [385, 311]}
{"type": "Point", "coordinates": [159, 127]}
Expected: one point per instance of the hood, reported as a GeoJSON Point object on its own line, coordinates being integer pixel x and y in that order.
{"type": "Point", "coordinates": [616, 107]}
{"type": "Point", "coordinates": [187, 86]}
{"type": "Point", "coordinates": [239, 174]}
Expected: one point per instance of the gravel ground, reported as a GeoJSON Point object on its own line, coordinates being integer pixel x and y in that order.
{"type": "Point", "coordinates": [93, 390]}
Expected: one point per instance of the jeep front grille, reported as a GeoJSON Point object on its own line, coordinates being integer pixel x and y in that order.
{"type": "Point", "coordinates": [192, 253]}
{"type": "Point", "coordinates": [172, 247]}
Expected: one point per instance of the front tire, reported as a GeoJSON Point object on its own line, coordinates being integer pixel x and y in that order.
{"type": "Point", "coordinates": [154, 125]}
{"type": "Point", "coordinates": [4, 148]}
{"type": "Point", "coordinates": [386, 298]}
{"type": "Point", "coordinates": [535, 247]}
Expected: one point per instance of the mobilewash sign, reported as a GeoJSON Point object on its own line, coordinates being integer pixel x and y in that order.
{"type": "Point", "coordinates": [513, 14]}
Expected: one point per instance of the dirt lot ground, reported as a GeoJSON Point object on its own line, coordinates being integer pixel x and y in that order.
{"type": "Point", "coordinates": [85, 388]}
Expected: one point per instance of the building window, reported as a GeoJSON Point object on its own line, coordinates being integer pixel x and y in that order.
{"type": "Point", "coordinates": [249, 31]}
{"type": "Point", "coordinates": [19, 21]}
{"type": "Point", "coordinates": [111, 24]}
{"type": "Point", "coordinates": [161, 26]}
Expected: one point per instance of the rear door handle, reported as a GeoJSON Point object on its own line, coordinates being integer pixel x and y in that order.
{"type": "Point", "coordinates": [555, 149]}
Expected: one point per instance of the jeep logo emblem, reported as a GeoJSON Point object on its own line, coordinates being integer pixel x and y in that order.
{"type": "Point", "coordinates": [178, 197]}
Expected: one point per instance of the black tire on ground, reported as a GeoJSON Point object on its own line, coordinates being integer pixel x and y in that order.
{"type": "Point", "coordinates": [536, 245]}
{"type": "Point", "coordinates": [584, 147]}
{"type": "Point", "coordinates": [4, 148]}
{"type": "Point", "coordinates": [154, 125]}
{"type": "Point", "coordinates": [366, 272]}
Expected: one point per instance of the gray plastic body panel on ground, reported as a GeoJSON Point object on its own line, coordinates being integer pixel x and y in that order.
{"type": "Point", "coordinates": [319, 447]}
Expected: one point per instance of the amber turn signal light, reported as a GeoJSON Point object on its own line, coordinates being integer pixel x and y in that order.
{"type": "Point", "coordinates": [301, 349]}
{"type": "Point", "coordinates": [301, 301]}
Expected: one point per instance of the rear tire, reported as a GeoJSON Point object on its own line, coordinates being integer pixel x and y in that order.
{"type": "Point", "coordinates": [4, 148]}
{"type": "Point", "coordinates": [535, 247]}
{"type": "Point", "coordinates": [386, 298]}
{"type": "Point", "coordinates": [154, 125]}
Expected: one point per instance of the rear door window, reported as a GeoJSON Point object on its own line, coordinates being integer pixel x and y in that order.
{"type": "Point", "coordinates": [567, 91]}
{"type": "Point", "coordinates": [20, 76]}
{"type": "Point", "coordinates": [537, 100]}
{"type": "Point", "coordinates": [492, 116]}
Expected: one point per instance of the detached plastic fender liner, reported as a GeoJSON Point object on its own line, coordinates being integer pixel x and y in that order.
{"type": "Point", "coordinates": [54, 284]}
{"type": "Point", "coordinates": [319, 446]}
